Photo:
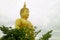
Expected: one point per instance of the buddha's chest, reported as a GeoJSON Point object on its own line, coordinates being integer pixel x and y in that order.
{"type": "Point", "coordinates": [24, 23]}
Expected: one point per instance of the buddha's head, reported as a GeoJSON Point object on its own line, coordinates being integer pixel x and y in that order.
{"type": "Point", "coordinates": [24, 12]}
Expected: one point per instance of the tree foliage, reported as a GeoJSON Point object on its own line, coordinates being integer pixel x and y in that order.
{"type": "Point", "coordinates": [22, 34]}
{"type": "Point", "coordinates": [46, 36]}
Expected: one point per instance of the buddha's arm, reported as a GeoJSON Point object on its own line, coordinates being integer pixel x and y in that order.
{"type": "Point", "coordinates": [31, 26]}
{"type": "Point", "coordinates": [17, 23]}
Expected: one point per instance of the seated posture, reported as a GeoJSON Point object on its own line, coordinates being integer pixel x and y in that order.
{"type": "Point", "coordinates": [23, 22]}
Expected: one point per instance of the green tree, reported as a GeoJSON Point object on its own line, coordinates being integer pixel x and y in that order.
{"type": "Point", "coordinates": [46, 36]}
{"type": "Point", "coordinates": [22, 34]}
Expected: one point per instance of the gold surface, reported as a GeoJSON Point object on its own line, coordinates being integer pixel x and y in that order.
{"type": "Point", "coordinates": [24, 13]}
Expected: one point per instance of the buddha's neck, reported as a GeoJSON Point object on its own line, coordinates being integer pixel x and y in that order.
{"type": "Point", "coordinates": [24, 18]}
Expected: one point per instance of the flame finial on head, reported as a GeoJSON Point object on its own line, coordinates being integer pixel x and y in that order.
{"type": "Point", "coordinates": [24, 8]}
{"type": "Point", "coordinates": [24, 4]}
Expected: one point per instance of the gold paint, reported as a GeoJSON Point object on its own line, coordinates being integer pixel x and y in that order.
{"type": "Point", "coordinates": [24, 13]}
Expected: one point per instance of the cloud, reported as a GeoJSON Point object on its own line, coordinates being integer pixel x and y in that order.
{"type": "Point", "coordinates": [6, 21]}
{"type": "Point", "coordinates": [43, 13]}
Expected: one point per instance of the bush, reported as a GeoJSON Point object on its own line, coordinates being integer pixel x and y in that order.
{"type": "Point", "coordinates": [24, 33]}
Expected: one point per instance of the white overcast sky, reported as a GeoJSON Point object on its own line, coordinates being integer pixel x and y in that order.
{"type": "Point", "coordinates": [45, 14]}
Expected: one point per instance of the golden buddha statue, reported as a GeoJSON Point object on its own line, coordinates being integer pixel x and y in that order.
{"type": "Point", "coordinates": [23, 22]}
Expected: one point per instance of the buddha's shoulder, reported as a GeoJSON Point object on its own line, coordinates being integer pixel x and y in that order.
{"type": "Point", "coordinates": [29, 22]}
{"type": "Point", "coordinates": [18, 19]}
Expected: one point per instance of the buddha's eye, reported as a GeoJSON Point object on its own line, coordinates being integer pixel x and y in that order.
{"type": "Point", "coordinates": [26, 11]}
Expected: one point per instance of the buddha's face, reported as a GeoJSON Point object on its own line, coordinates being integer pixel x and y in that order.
{"type": "Point", "coordinates": [25, 14]}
